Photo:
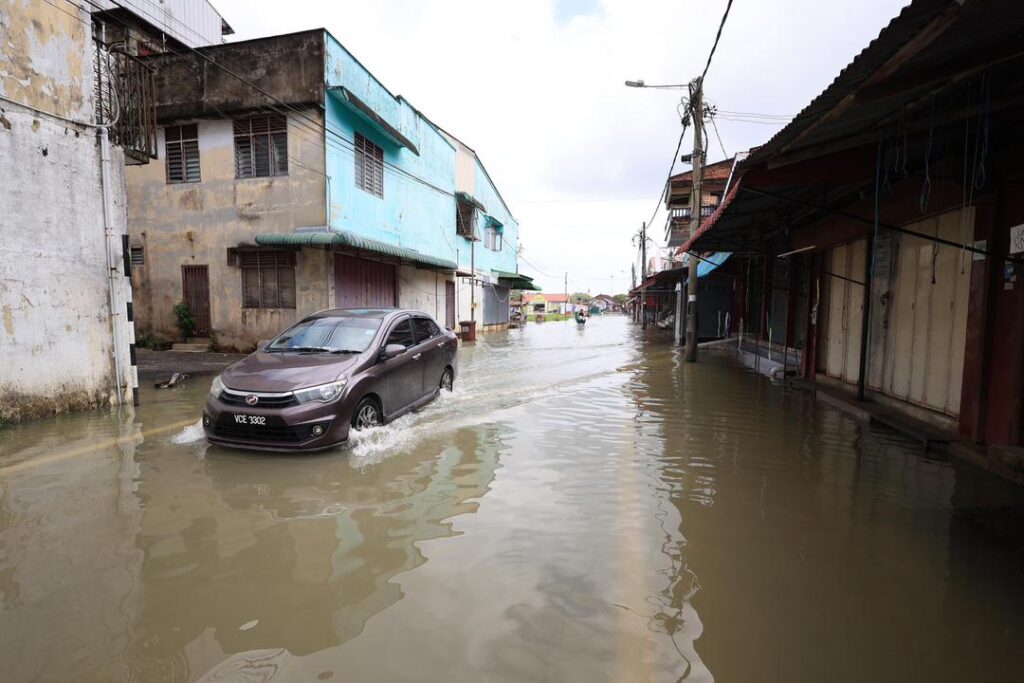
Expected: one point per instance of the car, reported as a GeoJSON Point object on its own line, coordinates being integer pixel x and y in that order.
{"type": "Point", "coordinates": [332, 372]}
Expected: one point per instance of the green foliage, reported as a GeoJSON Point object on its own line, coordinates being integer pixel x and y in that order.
{"type": "Point", "coordinates": [145, 341]}
{"type": "Point", "coordinates": [186, 321]}
{"type": "Point", "coordinates": [620, 299]}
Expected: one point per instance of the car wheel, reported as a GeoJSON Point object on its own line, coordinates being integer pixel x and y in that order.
{"type": "Point", "coordinates": [367, 415]}
{"type": "Point", "coordinates": [447, 379]}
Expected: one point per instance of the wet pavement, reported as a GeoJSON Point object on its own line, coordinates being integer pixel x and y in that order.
{"type": "Point", "coordinates": [584, 507]}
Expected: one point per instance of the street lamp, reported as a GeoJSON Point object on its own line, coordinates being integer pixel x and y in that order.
{"type": "Point", "coordinates": [640, 84]}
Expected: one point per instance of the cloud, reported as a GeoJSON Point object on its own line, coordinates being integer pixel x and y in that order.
{"type": "Point", "coordinates": [536, 87]}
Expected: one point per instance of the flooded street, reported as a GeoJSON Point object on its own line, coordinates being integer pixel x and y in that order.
{"type": "Point", "coordinates": [584, 507]}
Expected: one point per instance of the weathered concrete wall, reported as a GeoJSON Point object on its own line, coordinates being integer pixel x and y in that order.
{"type": "Point", "coordinates": [55, 331]}
{"type": "Point", "coordinates": [195, 223]}
{"type": "Point", "coordinates": [291, 67]}
{"type": "Point", "coordinates": [423, 290]}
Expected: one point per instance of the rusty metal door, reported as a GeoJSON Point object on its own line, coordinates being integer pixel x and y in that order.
{"type": "Point", "coordinates": [449, 310]}
{"type": "Point", "coordinates": [359, 283]}
{"type": "Point", "coordinates": [195, 289]}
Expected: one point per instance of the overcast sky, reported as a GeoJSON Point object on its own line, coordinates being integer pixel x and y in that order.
{"type": "Point", "coordinates": [536, 88]}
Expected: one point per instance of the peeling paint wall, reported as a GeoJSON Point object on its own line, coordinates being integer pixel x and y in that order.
{"type": "Point", "coordinates": [55, 330]}
{"type": "Point", "coordinates": [195, 223]}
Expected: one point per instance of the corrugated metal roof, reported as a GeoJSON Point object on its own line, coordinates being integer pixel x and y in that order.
{"type": "Point", "coordinates": [928, 36]}
{"type": "Point", "coordinates": [346, 238]}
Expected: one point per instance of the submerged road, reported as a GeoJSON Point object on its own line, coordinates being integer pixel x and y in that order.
{"type": "Point", "coordinates": [584, 507]}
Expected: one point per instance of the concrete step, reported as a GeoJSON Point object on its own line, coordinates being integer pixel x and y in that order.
{"type": "Point", "coordinates": [198, 347]}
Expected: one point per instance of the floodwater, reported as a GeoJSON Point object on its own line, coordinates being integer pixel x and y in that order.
{"type": "Point", "coordinates": [584, 507]}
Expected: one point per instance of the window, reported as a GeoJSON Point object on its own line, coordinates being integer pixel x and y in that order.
{"type": "Point", "coordinates": [261, 146]}
{"type": "Point", "coordinates": [181, 149]}
{"type": "Point", "coordinates": [492, 239]}
{"type": "Point", "coordinates": [465, 219]}
{"type": "Point", "coordinates": [425, 329]}
{"type": "Point", "coordinates": [402, 334]}
{"type": "Point", "coordinates": [369, 167]}
{"type": "Point", "coordinates": [334, 333]}
{"type": "Point", "coordinates": [268, 278]}
{"type": "Point", "coordinates": [138, 255]}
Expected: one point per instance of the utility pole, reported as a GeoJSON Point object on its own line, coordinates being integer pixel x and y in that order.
{"type": "Point", "coordinates": [566, 285]}
{"type": "Point", "coordinates": [643, 276]}
{"type": "Point", "coordinates": [697, 112]}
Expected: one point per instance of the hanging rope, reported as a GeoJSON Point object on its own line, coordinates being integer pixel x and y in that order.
{"type": "Point", "coordinates": [926, 188]}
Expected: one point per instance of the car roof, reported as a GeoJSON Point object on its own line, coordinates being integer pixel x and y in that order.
{"type": "Point", "coordinates": [378, 313]}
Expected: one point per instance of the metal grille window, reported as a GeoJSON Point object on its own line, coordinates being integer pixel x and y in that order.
{"type": "Point", "coordinates": [138, 255]}
{"type": "Point", "coordinates": [369, 167]}
{"type": "Point", "coordinates": [268, 278]}
{"type": "Point", "coordinates": [465, 220]}
{"type": "Point", "coordinates": [181, 152]}
{"type": "Point", "coordinates": [261, 146]}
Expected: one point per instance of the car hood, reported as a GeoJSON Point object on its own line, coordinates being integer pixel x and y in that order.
{"type": "Point", "coordinates": [278, 372]}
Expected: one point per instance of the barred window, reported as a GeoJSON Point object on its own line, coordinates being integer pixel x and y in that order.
{"type": "Point", "coordinates": [369, 167]}
{"type": "Point", "coordinates": [268, 278]}
{"type": "Point", "coordinates": [138, 255]}
{"type": "Point", "coordinates": [261, 146]}
{"type": "Point", "coordinates": [181, 149]}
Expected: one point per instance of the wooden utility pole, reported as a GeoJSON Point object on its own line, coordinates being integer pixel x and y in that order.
{"type": "Point", "coordinates": [697, 112]}
{"type": "Point", "coordinates": [643, 276]}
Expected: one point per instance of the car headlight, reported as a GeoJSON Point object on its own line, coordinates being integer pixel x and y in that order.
{"type": "Point", "coordinates": [323, 393]}
{"type": "Point", "coordinates": [216, 387]}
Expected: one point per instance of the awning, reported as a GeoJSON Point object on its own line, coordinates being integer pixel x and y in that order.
{"type": "Point", "coordinates": [494, 223]}
{"type": "Point", "coordinates": [346, 238]}
{"type": "Point", "coordinates": [365, 112]}
{"type": "Point", "coordinates": [515, 280]}
{"type": "Point", "coordinates": [666, 280]}
{"type": "Point", "coordinates": [467, 198]}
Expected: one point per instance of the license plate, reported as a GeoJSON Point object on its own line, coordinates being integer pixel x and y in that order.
{"type": "Point", "coordinates": [251, 420]}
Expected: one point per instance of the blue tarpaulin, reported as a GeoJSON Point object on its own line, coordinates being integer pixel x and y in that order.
{"type": "Point", "coordinates": [709, 263]}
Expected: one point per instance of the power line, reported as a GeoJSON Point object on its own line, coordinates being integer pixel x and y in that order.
{"type": "Point", "coordinates": [714, 47]}
{"type": "Point", "coordinates": [717, 135]}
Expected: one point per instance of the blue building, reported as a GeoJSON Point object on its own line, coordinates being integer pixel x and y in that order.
{"type": "Point", "coordinates": [325, 190]}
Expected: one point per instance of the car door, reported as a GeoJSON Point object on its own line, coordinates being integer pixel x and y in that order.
{"type": "Point", "coordinates": [401, 377]}
{"type": "Point", "coordinates": [432, 347]}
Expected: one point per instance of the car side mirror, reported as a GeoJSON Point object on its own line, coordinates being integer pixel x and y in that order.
{"type": "Point", "coordinates": [392, 350]}
{"type": "Point", "coordinates": [262, 344]}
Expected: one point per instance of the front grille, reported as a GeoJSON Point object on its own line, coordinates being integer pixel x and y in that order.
{"type": "Point", "coordinates": [227, 427]}
{"type": "Point", "coordinates": [264, 402]}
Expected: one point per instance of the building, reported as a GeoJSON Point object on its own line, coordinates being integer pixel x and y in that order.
{"type": "Point", "coordinates": [547, 303]}
{"type": "Point", "coordinates": [289, 180]}
{"type": "Point", "coordinates": [678, 196]}
{"type": "Point", "coordinates": [75, 108]}
{"type": "Point", "coordinates": [880, 231]}
{"type": "Point", "coordinates": [604, 304]}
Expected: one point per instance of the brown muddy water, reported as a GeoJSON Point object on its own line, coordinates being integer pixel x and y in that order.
{"type": "Point", "coordinates": [584, 507]}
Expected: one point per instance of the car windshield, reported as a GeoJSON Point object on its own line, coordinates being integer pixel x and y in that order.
{"type": "Point", "coordinates": [327, 335]}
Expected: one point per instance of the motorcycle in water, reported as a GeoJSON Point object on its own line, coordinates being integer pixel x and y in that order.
{"type": "Point", "coordinates": [580, 319]}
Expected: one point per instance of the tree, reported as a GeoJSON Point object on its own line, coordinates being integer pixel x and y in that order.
{"type": "Point", "coordinates": [580, 298]}
{"type": "Point", "coordinates": [620, 299]}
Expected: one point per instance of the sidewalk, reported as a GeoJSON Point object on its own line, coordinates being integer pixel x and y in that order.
{"type": "Point", "coordinates": [160, 365]}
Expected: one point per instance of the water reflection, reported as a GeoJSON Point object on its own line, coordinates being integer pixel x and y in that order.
{"type": "Point", "coordinates": [585, 507]}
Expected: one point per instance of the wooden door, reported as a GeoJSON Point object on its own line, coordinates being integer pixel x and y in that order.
{"type": "Point", "coordinates": [195, 289]}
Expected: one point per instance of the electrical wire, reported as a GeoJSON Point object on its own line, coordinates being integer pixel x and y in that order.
{"type": "Point", "coordinates": [714, 47]}
{"type": "Point", "coordinates": [718, 135]}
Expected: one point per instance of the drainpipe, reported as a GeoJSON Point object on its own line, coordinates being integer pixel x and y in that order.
{"type": "Point", "coordinates": [472, 279]}
{"type": "Point", "coordinates": [127, 390]}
